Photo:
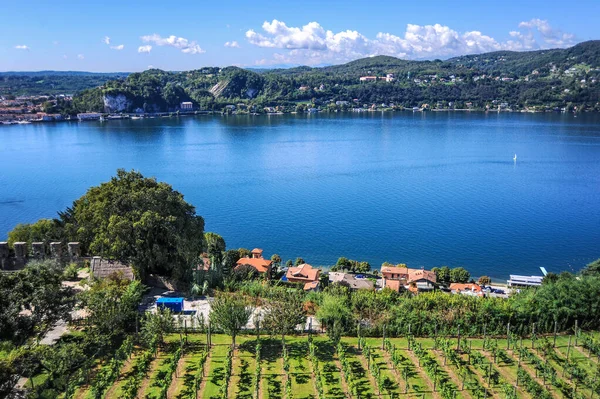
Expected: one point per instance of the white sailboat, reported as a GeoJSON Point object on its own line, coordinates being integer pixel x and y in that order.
{"type": "Point", "coordinates": [515, 158]}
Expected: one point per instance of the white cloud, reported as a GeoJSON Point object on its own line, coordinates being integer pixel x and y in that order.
{"type": "Point", "coordinates": [119, 47]}
{"type": "Point", "coordinates": [56, 42]}
{"type": "Point", "coordinates": [313, 44]}
{"type": "Point", "coordinates": [106, 40]}
{"type": "Point", "coordinates": [232, 44]}
{"type": "Point", "coordinates": [80, 56]}
{"type": "Point", "coordinates": [144, 49]}
{"type": "Point", "coordinates": [186, 46]}
{"type": "Point", "coordinates": [550, 35]}
{"type": "Point", "coordinates": [21, 47]}
{"type": "Point", "coordinates": [65, 57]}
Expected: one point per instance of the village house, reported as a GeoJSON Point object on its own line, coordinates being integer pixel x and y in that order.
{"type": "Point", "coordinates": [262, 265]}
{"type": "Point", "coordinates": [186, 106]}
{"type": "Point", "coordinates": [305, 274]}
{"type": "Point", "coordinates": [351, 281]}
{"type": "Point", "coordinates": [466, 289]}
{"type": "Point", "coordinates": [415, 280]}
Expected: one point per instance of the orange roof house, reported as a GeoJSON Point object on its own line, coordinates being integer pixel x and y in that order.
{"type": "Point", "coordinates": [395, 277]}
{"type": "Point", "coordinates": [311, 286]}
{"type": "Point", "coordinates": [303, 273]}
{"type": "Point", "coordinates": [257, 261]}
{"type": "Point", "coordinates": [466, 289]}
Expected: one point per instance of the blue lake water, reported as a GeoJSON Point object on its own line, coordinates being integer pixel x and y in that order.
{"type": "Point", "coordinates": [426, 189]}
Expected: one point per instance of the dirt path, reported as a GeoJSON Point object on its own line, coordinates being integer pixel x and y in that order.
{"type": "Point", "coordinates": [388, 359]}
{"type": "Point", "coordinates": [151, 371]}
{"type": "Point", "coordinates": [423, 375]}
{"type": "Point", "coordinates": [363, 361]}
{"type": "Point", "coordinates": [452, 374]}
{"type": "Point", "coordinates": [506, 376]}
{"type": "Point", "coordinates": [178, 379]}
{"type": "Point", "coordinates": [531, 371]}
{"type": "Point", "coordinates": [345, 388]}
{"type": "Point", "coordinates": [205, 369]}
{"type": "Point", "coordinates": [122, 375]}
{"type": "Point", "coordinates": [284, 379]}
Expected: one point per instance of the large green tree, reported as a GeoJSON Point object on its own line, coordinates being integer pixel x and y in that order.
{"type": "Point", "coordinates": [140, 221]}
{"type": "Point", "coordinates": [592, 269]}
{"type": "Point", "coordinates": [230, 313]}
{"type": "Point", "coordinates": [284, 312]}
{"type": "Point", "coordinates": [335, 315]}
{"type": "Point", "coordinates": [214, 246]}
{"type": "Point", "coordinates": [32, 300]}
{"type": "Point", "coordinates": [43, 230]}
{"type": "Point", "coordinates": [112, 307]}
{"type": "Point", "coordinates": [459, 275]}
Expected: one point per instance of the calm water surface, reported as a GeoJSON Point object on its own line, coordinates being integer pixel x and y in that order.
{"type": "Point", "coordinates": [426, 189]}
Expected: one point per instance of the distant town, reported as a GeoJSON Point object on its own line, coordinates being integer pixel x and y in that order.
{"type": "Point", "coordinates": [559, 80]}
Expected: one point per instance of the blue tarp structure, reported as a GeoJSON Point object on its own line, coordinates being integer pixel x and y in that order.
{"type": "Point", "coordinates": [174, 304]}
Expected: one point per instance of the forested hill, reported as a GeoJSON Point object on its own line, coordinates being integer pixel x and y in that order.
{"type": "Point", "coordinates": [52, 82]}
{"type": "Point", "coordinates": [542, 79]}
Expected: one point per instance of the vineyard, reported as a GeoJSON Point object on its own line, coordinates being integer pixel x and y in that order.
{"type": "Point", "coordinates": [314, 367]}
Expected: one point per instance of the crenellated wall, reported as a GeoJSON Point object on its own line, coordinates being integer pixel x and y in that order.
{"type": "Point", "coordinates": [20, 255]}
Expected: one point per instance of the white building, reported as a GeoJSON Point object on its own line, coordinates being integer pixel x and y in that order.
{"type": "Point", "coordinates": [88, 116]}
{"type": "Point", "coordinates": [186, 106]}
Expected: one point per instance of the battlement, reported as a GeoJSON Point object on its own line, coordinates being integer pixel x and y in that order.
{"type": "Point", "coordinates": [21, 253]}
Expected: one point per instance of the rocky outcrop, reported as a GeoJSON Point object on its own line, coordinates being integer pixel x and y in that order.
{"type": "Point", "coordinates": [116, 103]}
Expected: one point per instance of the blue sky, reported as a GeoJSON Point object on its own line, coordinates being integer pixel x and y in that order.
{"type": "Point", "coordinates": [134, 35]}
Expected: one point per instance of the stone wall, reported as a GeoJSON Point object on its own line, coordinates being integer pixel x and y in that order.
{"type": "Point", "coordinates": [22, 253]}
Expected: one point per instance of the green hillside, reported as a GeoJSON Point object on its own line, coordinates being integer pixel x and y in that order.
{"type": "Point", "coordinates": [517, 80]}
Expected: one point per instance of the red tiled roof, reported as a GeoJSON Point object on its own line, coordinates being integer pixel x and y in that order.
{"type": "Point", "coordinates": [311, 285]}
{"type": "Point", "coordinates": [400, 269]}
{"type": "Point", "coordinates": [304, 272]}
{"type": "Point", "coordinates": [463, 287]}
{"type": "Point", "coordinates": [260, 264]}
{"type": "Point", "coordinates": [418, 274]}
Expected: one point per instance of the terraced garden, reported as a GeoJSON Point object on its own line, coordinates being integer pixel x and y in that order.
{"type": "Point", "coordinates": [370, 368]}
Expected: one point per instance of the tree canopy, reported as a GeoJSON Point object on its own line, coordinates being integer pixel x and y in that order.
{"type": "Point", "coordinates": [140, 221]}
{"type": "Point", "coordinates": [32, 300]}
{"type": "Point", "coordinates": [230, 313]}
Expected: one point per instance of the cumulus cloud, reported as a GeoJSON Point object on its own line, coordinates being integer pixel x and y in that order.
{"type": "Point", "coordinates": [106, 40]}
{"type": "Point", "coordinates": [233, 44]}
{"type": "Point", "coordinates": [21, 47]}
{"type": "Point", "coordinates": [550, 35]}
{"type": "Point", "coordinates": [186, 46]}
{"type": "Point", "coordinates": [80, 56]}
{"type": "Point", "coordinates": [314, 44]}
{"type": "Point", "coordinates": [119, 47]}
{"type": "Point", "coordinates": [144, 49]}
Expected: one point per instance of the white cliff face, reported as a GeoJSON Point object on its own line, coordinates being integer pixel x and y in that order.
{"type": "Point", "coordinates": [116, 103]}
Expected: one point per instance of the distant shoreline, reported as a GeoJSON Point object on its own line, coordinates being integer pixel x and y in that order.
{"type": "Point", "coordinates": [106, 117]}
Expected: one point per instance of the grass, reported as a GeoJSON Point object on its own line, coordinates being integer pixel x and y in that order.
{"type": "Point", "coordinates": [272, 370]}
{"type": "Point", "coordinates": [363, 384]}
{"type": "Point", "coordinates": [412, 383]}
{"type": "Point", "coordinates": [216, 373]}
{"type": "Point", "coordinates": [243, 366]}
{"type": "Point", "coordinates": [330, 374]}
{"type": "Point", "coordinates": [184, 387]}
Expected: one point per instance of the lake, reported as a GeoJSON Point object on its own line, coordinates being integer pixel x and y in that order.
{"type": "Point", "coordinates": [425, 189]}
